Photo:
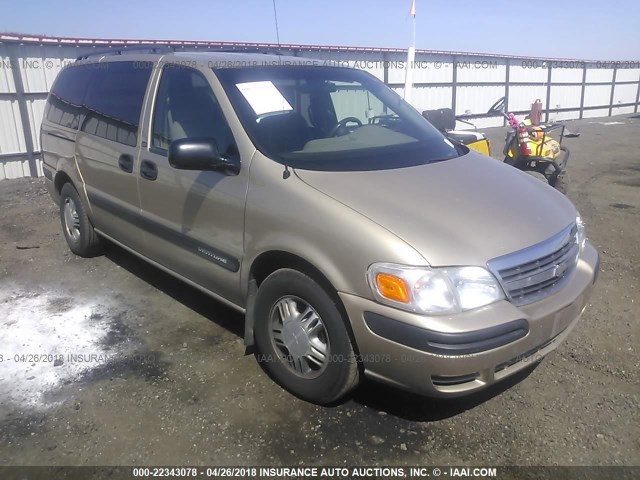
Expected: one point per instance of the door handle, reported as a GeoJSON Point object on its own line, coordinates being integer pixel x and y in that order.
{"type": "Point", "coordinates": [148, 170]}
{"type": "Point", "coordinates": [125, 162]}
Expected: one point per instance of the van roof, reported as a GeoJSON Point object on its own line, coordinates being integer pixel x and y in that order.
{"type": "Point", "coordinates": [249, 58]}
{"type": "Point", "coordinates": [215, 59]}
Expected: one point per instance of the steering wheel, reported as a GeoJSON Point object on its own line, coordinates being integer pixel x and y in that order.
{"type": "Point", "coordinates": [497, 108]}
{"type": "Point", "coordinates": [342, 124]}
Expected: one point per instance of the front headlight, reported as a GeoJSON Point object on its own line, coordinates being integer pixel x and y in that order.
{"type": "Point", "coordinates": [433, 291]}
{"type": "Point", "coordinates": [581, 233]}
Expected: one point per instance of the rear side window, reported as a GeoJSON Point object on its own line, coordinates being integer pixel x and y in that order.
{"type": "Point", "coordinates": [65, 102]}
{"type": "Point", "coordinates": [114, 101]}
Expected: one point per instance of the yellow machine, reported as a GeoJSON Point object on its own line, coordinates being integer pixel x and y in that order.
{"type": "Point", "coordinates": [528, 147]}
{"type": "Point", "coordinates": [445, 121]}
{"type": "Point", "coordinates": [480, 145]}
{"type": "Point", "coordinates": [541, 145]}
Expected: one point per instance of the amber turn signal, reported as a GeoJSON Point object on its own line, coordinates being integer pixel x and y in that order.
{"type": "Point", "coordinates": [392, 287]}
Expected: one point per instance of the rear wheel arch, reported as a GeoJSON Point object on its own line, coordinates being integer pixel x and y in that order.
{"type": "Point", "coordinates": [268, 262]}
{"type": "Point", "coordinates": [76, 225]}
{"type": "Point", "coordinates": [91, 245]}
{"type": "Point", "coordinates": [59, 180]}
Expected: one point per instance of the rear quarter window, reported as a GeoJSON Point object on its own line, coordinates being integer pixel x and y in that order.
{"type": "Point", "coordinates": [64, 105]}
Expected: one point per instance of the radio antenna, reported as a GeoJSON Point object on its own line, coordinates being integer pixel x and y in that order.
{"type": "Point", "coordinates": [275, 16]}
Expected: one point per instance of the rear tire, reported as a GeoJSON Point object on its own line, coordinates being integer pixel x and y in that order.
{"type": "Point", "coordinates": [538, 175]}
{"type": "Point", "coordinates": [76, 226]}
{"type": "Point", "coordinates": [302, 340]}
{"type": "Point", "coordinates": [562, 182]}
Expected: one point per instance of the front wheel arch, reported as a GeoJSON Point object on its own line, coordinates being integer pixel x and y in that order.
{"type": "Point", "coordinates": [268, 262]}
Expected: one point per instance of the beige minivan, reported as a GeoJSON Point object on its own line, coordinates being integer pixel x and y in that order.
{"type": "Point", "coordinates": [357, 240]}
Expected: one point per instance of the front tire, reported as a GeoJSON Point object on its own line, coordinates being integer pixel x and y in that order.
{"type": "Point", "coordinates": [301, 338]}
{"type": "Point", "coordinates": [76, 226]}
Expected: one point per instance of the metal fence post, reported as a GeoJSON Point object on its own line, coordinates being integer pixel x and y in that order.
{"type": "Point", "coordinates": [454, 84]}
{"type": "Point", "coordinates": [24, 112]}
{"type": "Point", "coordinates": [385, 68]}
{"type": "Point", "coordinates": [506, 90]}
{"type": "Point", "coordinates": [613, 88]}
{"type": "Point", "coordinates": [584, 84]}
{"type": "Point", "coordinates": [546, 115]}
{"type": "Point", "coordinates": [635, 109]}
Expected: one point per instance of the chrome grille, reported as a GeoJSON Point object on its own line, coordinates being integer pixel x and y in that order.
{"type": "Point", "coordinates": [536, 272]}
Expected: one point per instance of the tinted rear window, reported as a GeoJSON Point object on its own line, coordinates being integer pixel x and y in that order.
{"type": "Point", "coordinates": [103, 99]}
{"type": "Point", "coordinates": [114, 101]}
{"type": "Point", "coordinates": [67, 95]}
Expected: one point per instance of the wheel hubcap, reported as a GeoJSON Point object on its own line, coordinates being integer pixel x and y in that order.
{"type": "Point", "coordinates": [71, 219]}
{"type": "Point", "coordinates": [300, 336]}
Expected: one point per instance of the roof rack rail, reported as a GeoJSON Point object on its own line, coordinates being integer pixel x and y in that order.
{"type": "Point", "coordinates": [125, 49]}
{"type": "Point", "coordinates": [171, 49]}
{"type": "Point", "coordinates": [262, 50]}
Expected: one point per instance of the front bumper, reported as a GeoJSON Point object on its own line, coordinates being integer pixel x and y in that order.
{"type": "Point", "coordinates": [455, 355]}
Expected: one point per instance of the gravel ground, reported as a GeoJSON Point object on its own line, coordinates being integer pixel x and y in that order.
{"type": "Point", "coordinates": [146, 370]}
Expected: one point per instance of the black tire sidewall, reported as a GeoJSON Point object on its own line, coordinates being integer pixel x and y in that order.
{"type": "Point", "coordinates": [82, 246]}
{"type": "Point", "coordinates": [335, 380]}
{"type": "Point", "coordinates": [562, 182]}
{"type": "Point", "coordinates": [537, 175]}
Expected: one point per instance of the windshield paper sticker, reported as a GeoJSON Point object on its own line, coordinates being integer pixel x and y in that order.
{"type": "Point", "coordinates": [264, 97]}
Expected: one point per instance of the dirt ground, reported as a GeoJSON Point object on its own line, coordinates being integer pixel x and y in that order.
{"type": "Point", "coordinates": [108, 361]}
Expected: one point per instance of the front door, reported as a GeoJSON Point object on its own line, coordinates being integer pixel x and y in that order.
{"type": "Point", "coordinates": [194, 219]}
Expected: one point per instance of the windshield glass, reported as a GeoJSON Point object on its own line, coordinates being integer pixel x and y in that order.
{"type": "Point", "coordinates": [331, 118]}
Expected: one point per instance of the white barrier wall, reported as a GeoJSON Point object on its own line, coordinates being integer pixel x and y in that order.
{"type": "Point", "coordinates": [468, 83]}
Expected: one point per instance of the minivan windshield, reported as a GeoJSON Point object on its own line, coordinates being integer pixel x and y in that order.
{"type": "Point", "coordinates": [331, 118]}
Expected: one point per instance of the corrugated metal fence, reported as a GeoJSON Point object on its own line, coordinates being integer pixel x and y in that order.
{"type": "Point", "coordinates": [467, 82]}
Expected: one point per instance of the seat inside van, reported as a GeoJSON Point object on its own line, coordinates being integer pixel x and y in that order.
{"type": "Point", "coordinates": [443, 118]}
{"type": "Point", "coordinates": [285, 132]}
{"type": "Point", "coordinates": [191, 111]}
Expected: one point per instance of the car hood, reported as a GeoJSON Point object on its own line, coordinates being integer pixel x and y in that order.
{"type": "Point", "coordinates": [463, 211]}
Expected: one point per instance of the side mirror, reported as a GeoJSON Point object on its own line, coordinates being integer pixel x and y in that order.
{"type": "Point", "coordinates": [200, 154]}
